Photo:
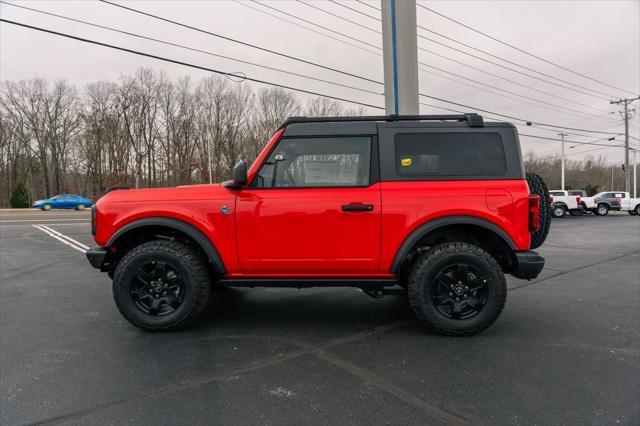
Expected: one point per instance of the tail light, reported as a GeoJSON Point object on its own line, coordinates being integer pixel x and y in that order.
{"type": "Point", "coordinates": [550, 199]}
{"type": "Point", "coordinates": [578, 200]}
{"type": "Point", "coordinates": [534, 212]}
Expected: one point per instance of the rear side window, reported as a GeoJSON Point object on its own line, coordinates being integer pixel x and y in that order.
{"type": "Point", "coordinates": [557, 194]}
{"type": "Point", "coordinates": [449, 154]}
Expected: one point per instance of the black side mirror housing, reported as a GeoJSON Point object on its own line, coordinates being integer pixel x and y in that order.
{"type": "Point", "coordinates": [239, 176]}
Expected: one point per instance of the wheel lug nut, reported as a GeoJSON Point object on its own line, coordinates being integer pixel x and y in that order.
{"type": "Point", "coordinates": [450, 294]}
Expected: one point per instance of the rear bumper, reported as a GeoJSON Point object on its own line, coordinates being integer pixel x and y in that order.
{"type": "Point", "coordinates": [528, 265]}
{"type": "Point", "coordinates": [96, 256]}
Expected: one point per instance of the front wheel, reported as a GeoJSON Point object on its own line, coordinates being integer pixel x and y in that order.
{"type": "Point", "coordinates": [558, 211]}
{"type": "Point", "coordinates": [637, 210]}
{"type": "Point", "coordinates": [602, 210]}
{"type": "Point", "coordinates": [46, 207]}
{"type": "Point", "coordinates": [457, 289]}
{"type": "Point", "coordinates": [161, 286]}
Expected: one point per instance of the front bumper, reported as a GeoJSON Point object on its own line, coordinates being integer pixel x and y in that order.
{"type": "Point", "coordinates": [528, 265]}
{"type": "Point", "coordinates": [96, 256]}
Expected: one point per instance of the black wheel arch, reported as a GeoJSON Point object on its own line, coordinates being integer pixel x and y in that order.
{"type": "Point", "coordinates": [161, 226]}
{"type": "Point", "coordinates": [449, 222]}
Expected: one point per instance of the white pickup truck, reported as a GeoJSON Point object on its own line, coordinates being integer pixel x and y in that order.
{"type": "Point", "coordinates": [605, 201]}
{"type": "Point", "coordinates": [561, 203]}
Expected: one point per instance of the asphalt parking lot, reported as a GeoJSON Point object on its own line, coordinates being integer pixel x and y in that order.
{"type": "Point", "coordinates": [565, 351]}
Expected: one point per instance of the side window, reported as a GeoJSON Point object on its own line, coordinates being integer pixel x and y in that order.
{"type": "Point", "coordinates": [618, 195]}
{"type": "Point", "coordinates": [557, 194]}
{"type": "Point", "coordinates": [450, 154]}
{"type": "Point", "coordinates": [317, 162]}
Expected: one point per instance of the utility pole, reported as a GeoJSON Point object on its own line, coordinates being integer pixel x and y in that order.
{"type": "Point", "coordinates": [400, 52]}
{"type": "Point", "coordinates": [562, 161]}
{"type": "Point", "coordinates": [626, 116]}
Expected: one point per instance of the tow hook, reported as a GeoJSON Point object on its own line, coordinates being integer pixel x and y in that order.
{"type": "Point", "coordinates": [378, 293]}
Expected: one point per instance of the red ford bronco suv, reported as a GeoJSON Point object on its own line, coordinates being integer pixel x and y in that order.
{"type": "Point", "coordinates": [438, 207]}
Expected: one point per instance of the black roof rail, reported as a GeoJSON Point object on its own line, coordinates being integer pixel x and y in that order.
{"type": "Point", "coordinates": [472, 119]}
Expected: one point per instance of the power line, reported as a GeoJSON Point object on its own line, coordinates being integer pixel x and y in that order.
{"type": "Point", "coordinates": [517, 94]}
{"type": "Point", "coordinates": [514, 118]}
{"type": "Point", "coordinates": [317, 25]}
{"type": "Point", "coordinates": [161, 58]}
{"type": "Point", "coordinates": [505, 60]}
{"type": "Point", "coordinates": [350, 74]}
{"type": "Point", "coordinates": [353, 9]}
{"type": "Point", "coordinates": [448, 72]}
{"type": "Point", "coordinates": [575, 142]}
{"type": "Point", "coordinates": [368, 5]}
{"type": "Point", "coordinates": [305, 27]}
{"type": "Point", "coordinates": [519, 49]}
{"type": "Point", "coordinates": [194, 49]}
{"type": "Point", "coordinates": [284, 55]}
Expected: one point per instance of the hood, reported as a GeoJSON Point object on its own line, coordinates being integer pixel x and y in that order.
{"type": "Point", "coordinates": [176, 193]}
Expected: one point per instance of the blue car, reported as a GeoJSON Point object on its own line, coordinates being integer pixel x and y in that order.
{"type": "Point", "coordinates": [63, 201]}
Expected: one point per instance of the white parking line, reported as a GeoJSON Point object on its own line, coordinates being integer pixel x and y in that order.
{"type": "Point", "coordinates": [51, 234]}
{"type": "Point", "coordinates": [66, 237]}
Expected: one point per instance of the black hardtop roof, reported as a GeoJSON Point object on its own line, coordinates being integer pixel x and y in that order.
{"type": "Point", "coordinates": [471, 119]}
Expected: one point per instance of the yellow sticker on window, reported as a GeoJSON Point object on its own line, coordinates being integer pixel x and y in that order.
{"type": "Point", "coordinates": [406, 162]}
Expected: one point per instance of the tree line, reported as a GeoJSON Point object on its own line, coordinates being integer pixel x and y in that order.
{"type": "Point", "coordinates": [147, 130]}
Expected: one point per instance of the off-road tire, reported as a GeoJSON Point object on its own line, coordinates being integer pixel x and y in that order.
{"type": "Point", "coordinates": [196, 281]}
{"type": "Point", "coordinates": [539, 187]}
{"type": "Point", "coordinates": [421, 282]}
{"type": "Point", "coordinates": [602, 210]}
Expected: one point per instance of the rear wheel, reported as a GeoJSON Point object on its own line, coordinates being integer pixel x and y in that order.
{"type": "Point", "coordinates": [80, 207]}
{"type": "Point", "coordinates": [602, 210]}
{"type": "Point", "coordinates": [539, 187]}
{"type": "Point", "coordinates": [559, 211]}
{"type": "Point", "coordinates": [161, 285]}
{"type": "Point", "coordinates": [457, 289]}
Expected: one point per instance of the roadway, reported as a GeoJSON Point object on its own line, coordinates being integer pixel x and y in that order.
{"type": "Point", "coordinates": [566, 350]}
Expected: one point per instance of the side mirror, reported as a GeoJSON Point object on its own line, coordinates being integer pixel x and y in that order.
{"type": "Point", "coordinates": [240, 174]}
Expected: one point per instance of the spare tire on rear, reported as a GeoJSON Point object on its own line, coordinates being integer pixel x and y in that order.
{"type": "Point", "coordinates": [537, 186]}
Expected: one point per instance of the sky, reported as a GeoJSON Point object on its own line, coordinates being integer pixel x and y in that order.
{"type": "Point", "coordinates": [599, 39]}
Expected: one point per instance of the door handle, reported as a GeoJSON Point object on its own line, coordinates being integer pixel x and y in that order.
{"type": "Point", "coordinates": [357, 207]}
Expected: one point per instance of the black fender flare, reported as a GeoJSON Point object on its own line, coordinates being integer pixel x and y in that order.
{"type": "Point", "coordinates": [194, 233]}
{"type": "Point", "coordinates": [435, 224]}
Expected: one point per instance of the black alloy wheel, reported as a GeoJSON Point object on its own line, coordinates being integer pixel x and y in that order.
{"type": "Point", "coordinates": [157, 288]}
{"type": "Point", "coordinates": [460, 291]}
{"type": "Point", "coordinates": [161, 285]}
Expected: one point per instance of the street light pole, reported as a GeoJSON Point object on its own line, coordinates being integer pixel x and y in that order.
{"type": "Point", "coordinates": [635, 176]}
{"type": "Point", "coordinates": [562, 162]}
